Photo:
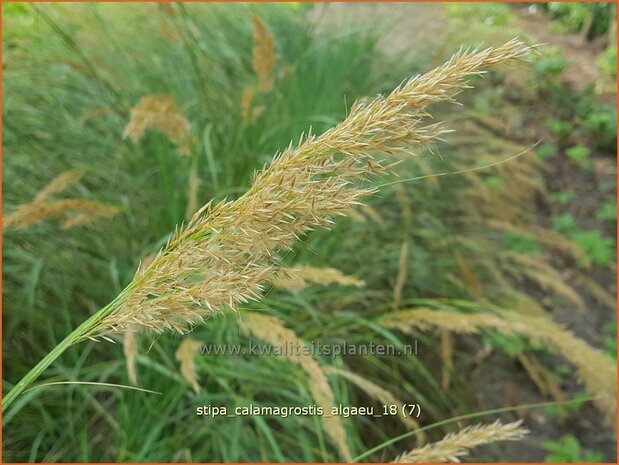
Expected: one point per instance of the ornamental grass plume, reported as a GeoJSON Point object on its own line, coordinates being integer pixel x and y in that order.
{"type": "Point", "coordinates": [455, 445]}
{"type": "Point", "coordinates": [159, 112]}
{"type": "Point", "coordinates": [72, 212]}
{"type": "Point", "coordinates": [272, 330]}
{"type": "Point", "coordinates": [58, 184]}
{"type": "Point", "coordinates": [263, 55]}
{"type": "Point", "coordinates": [222, 257]}
{"type": "Point", "coordinates": [381, 395]}
{"type": "Point", "coordinates": [225, 253]}
{"type": "Point", "coordinates": [596, 370]}
{"type": "Point", "coordinates": [185, 354]}
{"type": "Point", "coordinates": [296, 279]}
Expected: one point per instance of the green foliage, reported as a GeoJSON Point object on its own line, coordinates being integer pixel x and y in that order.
{"type": "Point", "coordinates": [569, 450]}
{"type": "Point", "coordinates": [610, 338]}
{"type": "Point", "coordinates": [579, 154]}
{"type": "Point", "coordinates": [576, 116]}
{"type": "Point", "coordinates": [565, 224]}
{"type": "Point", "coordinates": [600, 249]}
{"type": "Point", "coordinates": [549, 66]}
{"type": "Point", "coordinates": [547, 150]}
{"type": "Point", "coordinates": [576, 15]}
{"type": "Point", "coordinates": [607, 212]}
{"type": "Point", "coordinates": [520, 244]}
{"type": "Point", "coordinates": [563, 197]}
{"type": "Point", "coordinates": [607, 61]}
{"type": "Point", "coordinates": [494, 182]}
{"type": "Point", "coordinates": [509, 344]}
{"type": "Point", "coordinates": [16, 9]}
{"type": "Point", "coordinates": [562, 130]}
{"type": "Point", "coordinates": [568, 409]}
{"type": "Point", "coordinates": [601, 124]}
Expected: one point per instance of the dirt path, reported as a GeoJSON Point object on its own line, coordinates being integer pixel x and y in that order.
{"type": "Point", "coordinates": [581, 55]}
{"type": "Point", "coordinates": [405, 27]}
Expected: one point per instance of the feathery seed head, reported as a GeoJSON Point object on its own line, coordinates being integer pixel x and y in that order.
{"type": "Point", "coordinates": [74, 212]}
{"type": "Point", "coordinates": [159, 112]}
{"type": "Point", "coordinates": [222, 257]}
{"type": "Point", "coordinates": [272, 330]}
{"type": "Point", "coordinates": [185, 355]}
{"type": "Point", "coordinates": [597, 371]}
{"type": "Point", "coordinates": [296, 279]}
{"type": "Point", "coordinates": [455, 445]}
{"type": "Point", "coordinates": [58, 184]}
{"type": "Point", "coordinates": [263, 56]}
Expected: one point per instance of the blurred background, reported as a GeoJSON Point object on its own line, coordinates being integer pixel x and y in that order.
{"type": "Point", "coordinates": [141, 113]}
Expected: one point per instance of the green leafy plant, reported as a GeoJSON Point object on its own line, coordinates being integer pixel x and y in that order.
{"type": "Point", "coordinates": [600, 123]}
{"type": "Point", "coordinates": [562, 130]}
{"type": "Point", "coordinates": [588, 18]}
{"type": "Point", "coordinates": [598, 248]}
{"type": "Point", "coordinates": [610, 338]}
{"type": "Point", "coordinates": [579, 154]}
{"type": "Point", "coordinates": [607, 212]}
{"type": "Point", "coordinates": [547, 150]}
{"type": "Point", "coordinates": [563, 197]}
{"type": "Point", "coordinates": [521, 244]}
{"type": "Point", "coordinates": [549, 66]}
{"type": "Point", "coordinates": [568, 450]}
{"type": "Point", "coordinates": [565, 224]}
{"type": "Point", "coordinates": [494, 182]}
{"type": "Point", "coordinates": [607, 61]}
{"type": "Point", "coordinates": [510, 344]}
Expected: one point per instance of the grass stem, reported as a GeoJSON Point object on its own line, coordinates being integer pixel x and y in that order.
{"type": "Point", "coordinates": [82, 332]}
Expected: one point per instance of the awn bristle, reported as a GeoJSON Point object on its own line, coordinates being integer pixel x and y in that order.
{"type": "Point", "coordinates": [597, 371]}
{"type": "Point", "coordinates": [296, 279]}
{"type": "Point", "coordinates": [263, 56]}
{"type": "Point", "coordinates": [159, 112]}
{"type": "Point", "coordinates": [73, 212]}
{"type": "Point", "coordinates": [222, 257]}
{"type": "Point", "coordinates": [455, 445]}
{"type": "Point", "coordinates": [185, 355]}
{"type": "Point", "coordinates": [272, 330]}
